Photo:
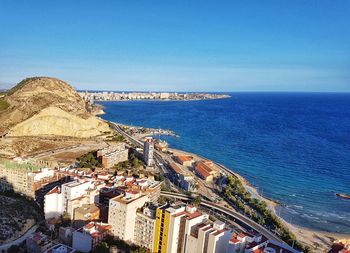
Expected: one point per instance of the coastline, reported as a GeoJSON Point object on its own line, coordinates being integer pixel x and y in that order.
{"type": "Point", "coordinates": [316, 239]}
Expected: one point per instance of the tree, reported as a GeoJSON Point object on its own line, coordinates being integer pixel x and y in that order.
{"type": "Point", "coordinates": [102, 248]}
{"type": "Point", "coordinates": [13, 249]}
{"type": "Point", "coordinates": [197, 201]}
{"type": "Point", "coordinates": [88, 160]}
{"type": "Point", "coordinates": [139, 249]}
{"type": "Point", "coordinates": [66, 221]}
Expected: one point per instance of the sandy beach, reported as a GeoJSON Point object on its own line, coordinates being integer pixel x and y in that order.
{"type": "Point", "coordinates": [319, 241]}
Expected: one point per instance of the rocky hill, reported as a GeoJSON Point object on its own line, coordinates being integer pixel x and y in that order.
{"type": "Point", "coordinates": [47, 106]}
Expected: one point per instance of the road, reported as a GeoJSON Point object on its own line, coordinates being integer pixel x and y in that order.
{"type": "Point", "coordinates": [19, 240]}
{"type": "Point", "coordinates": [158, 156]}
{"type": "Point", "coordinates": [231, 213]}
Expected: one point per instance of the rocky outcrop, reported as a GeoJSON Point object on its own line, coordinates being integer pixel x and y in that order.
{"type": "Point", "coordinates": [48, 106]}
{"type": "Point", "coordinates": [55, 121]}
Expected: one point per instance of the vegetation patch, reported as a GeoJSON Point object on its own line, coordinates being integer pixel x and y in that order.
{"type": "Point", "coordinates": [104, 247]}
{"type": "Point", "coordinates": [23, 166]}
{"type": "Point", "coordinates": [116, 138]}
{"type": "Point", "coordinates": [132, 163]}
{"type": "Point", "coordinates": [15, 211]}
{"type": "Point", "coordinates": [259, 212]}
{"type": "Point", "coordinates": [89, 160]}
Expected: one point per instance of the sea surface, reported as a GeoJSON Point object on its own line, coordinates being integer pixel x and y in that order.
{"type": "Point", "coordinates": [294, 147]}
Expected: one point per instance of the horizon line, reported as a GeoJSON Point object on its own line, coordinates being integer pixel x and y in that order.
{"type": "Point", "coordinates": [241, 91]}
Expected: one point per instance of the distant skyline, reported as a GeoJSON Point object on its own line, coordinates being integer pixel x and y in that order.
{"type": "Point", "coordinates": [224, 46]}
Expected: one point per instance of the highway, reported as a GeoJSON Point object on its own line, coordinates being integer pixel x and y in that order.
{"type": "Point", "coordinates": [229, 212]}
{"type": "Point", "coordinates": [158, 156]}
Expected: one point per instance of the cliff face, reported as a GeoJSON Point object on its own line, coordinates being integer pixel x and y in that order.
{"type": "Point", "coordinates": [48, 106]}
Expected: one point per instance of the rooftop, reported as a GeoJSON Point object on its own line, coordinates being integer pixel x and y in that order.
{"type": "Point", "coordinates": [184, 158]}
{"type": "Point", "coordinates": [8, 164]}
{"type": "Point", "coordinates": [95, 229]}
{"type": "Point", "coordinates": [176, 168]}
{"type": "Point", "coordinates": [60, 248]}
{"type": "Point", "coordinates": [87, 208]}
{"type": "Point", "coordinates": [201, 168]}
{"type": "Point", "coordinates": [38, 237]}
{"type": "Point", "coordinates": [56, 189]}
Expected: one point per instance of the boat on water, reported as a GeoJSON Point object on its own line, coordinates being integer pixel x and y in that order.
{"type": "Point", "coordinates": [343, 195]}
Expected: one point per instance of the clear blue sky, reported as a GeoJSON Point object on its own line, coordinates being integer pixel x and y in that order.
{"type": "Point", "coordinates": [281, 45]}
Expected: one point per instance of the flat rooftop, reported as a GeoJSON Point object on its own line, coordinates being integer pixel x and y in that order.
{"type": "Point", "coordinates": [60, 248]}
{"type": "Point", "coordinates": [8, 164]}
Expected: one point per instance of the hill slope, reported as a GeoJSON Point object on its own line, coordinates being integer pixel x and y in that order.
{"type": "Point", "coordinates": [47, 106]}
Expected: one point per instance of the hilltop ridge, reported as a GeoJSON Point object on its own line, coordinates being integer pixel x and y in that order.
{"type": "Point", "coordinates": [40, 106]}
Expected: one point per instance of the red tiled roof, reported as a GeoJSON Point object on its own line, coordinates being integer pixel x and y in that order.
{"type": "Point", "coordinates": [179, 214]}
{"type": "Point", "coordinates": [242, 235]}
{"type": "Point", "coordinates": [184, 158]}
{"type": "Point", "coordinates": [204, 166]}
{"type": "Point", "coordinates": [196, 214]}
{"type": "Point", "coordinates": [234, 240]}
{"type": "Point", "coordinates": [176, 168]}
{"type": "Point", "coordinates": [200, 168]}
{"type": "Point", "coordinates": [132, 191]}
{"type": "Point", "coordinates": [54, 190]}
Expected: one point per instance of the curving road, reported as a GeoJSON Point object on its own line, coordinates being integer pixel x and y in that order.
{"type": "Point", "coordinates": [231, 213]}
{"type": "Point", "coordinates": [20, 239]}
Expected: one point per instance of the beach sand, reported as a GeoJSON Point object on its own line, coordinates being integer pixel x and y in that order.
{"type": "Point", "coordinates": [318, 241]}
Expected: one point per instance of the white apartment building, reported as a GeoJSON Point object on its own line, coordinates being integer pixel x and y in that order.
{"type": "Point", "coordinates": [88, 237]}
{"type": "Point", "coordinates": [122, 214]}
{"type": "Point", "coordinates": [53, 204]}
{"type": "Point", "coordinates": [208, 238]}
{"type": "Point", "coordinates": [70, 196]}
{"type": "Point", "coordinates": [181, 222]}
{"type": "Point", "coordinates": [218, 240]}
{"type": "Point", "coordinates": [193, 218]}
{"type": "Point", "coordinates": [144, 227]}
{"type": "Point", "coordinates": [148, 150]}
{"type": "Point", "coordinates": [72, 191]}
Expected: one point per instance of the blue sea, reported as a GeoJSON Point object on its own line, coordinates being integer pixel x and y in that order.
{"type": "Point", "coordinates": [294, 147]}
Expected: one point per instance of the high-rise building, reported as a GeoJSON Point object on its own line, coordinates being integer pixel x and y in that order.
{"type": "Point", "coordinates": [27, 178]}
{"type": "Point", "coordinates": [112, 155]}
{"type": "Point", "coordinates": [208, 238]}
{"type": "Point", "coordinates": [70, 196]}
{"type": "Point", "coordinates": [144, 226]}
{"type": "Point", "coordinates": [173, 225]}
{"type": "Point", "coordinates": [162, 228]}
{"type": "Point", "coordinates": [218, 240]}
{"type": "Point", "coordinates": [122, 214]}
{"type": "Point", "coordinates": [148, 150]}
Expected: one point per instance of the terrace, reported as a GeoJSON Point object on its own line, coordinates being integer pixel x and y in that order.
{"type": "Point", "coordinates": [8, 164]}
